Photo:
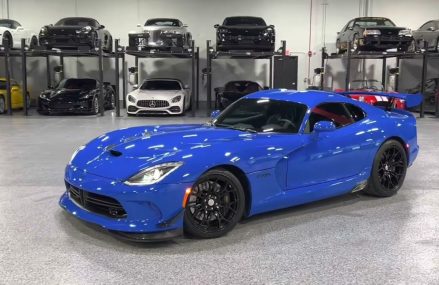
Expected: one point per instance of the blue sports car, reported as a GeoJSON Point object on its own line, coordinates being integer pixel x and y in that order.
{"type": "Point", "coordinates": [269, 150]}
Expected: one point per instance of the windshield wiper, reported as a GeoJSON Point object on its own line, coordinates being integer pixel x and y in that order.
{"type": "Point", "coordinates": [234, 128]}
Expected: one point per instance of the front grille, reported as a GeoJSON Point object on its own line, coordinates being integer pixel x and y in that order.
{"type": "Point", "coordinates": [155, 35]}
{"type": "Point", "coordinates": [153, 103]}
{"type": "Point", "coordinates": [96, 203]}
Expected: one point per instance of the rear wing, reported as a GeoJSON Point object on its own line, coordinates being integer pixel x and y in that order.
{"type": "Point", "coordinates": [410, 100]}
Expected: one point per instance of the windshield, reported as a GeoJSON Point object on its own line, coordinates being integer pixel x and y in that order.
{"type": "Point", "coordinates": [82, 22]}
{"type": "Point", "coordinates": [163, 22]}
{"type": "Point", "coordinates": [83, 84]}
{"type": "Point", "coordinates": [160, 85]}
{"type": "Point", "coordinates": [366, 85]}
{"type": "Point", "coordinates": [244, 21]}
{"type": "Point", "coordinates": [371, 22]}
{"type": "Point", "coordinates": [262, 115]}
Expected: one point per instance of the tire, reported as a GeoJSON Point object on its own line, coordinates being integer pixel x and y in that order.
{"type": "Point", "coordinates": [110, 45]}
{"type": "Point", "coordinates": [95, 106]}
{"type": "Point", "coordinates": [2, 105]}
{"type": "Point", "coordinates": [9, 38]}
{"type": "Point", "coordinates": [437, 45]}
{"type": "Point", "coordinates": [388, 170]}
{"type": "Point", "coordinates": [354, 43]}
{"type": "Point", "coordinates": [215, 205]}
{"type": "Point", "coordinates": [33, 43]}
{"type": "Point", "coordinates": [338, 48]}
{"type": "Point", "coordinates": [112, 103]}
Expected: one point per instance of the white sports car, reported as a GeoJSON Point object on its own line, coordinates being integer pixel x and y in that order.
{"type": "Point", "coordinates": [12, 32]}
{"type": "Point", "coordinates": [159, 96]}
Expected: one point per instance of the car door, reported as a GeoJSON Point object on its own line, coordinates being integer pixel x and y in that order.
{"type": "Point", "coordinates": [333, 155]}
{"type": "Point", "coordinates": [346, 34]}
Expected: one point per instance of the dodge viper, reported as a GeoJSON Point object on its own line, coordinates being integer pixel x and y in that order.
{"type": "Point", "coordinates": [269, 150]}
{"type": "Point", "coordinates": [76, 95]}
{"type": "Point", "coordinates": [234, 90]}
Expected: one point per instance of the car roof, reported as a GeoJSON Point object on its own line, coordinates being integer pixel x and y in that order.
{"type": "Point", "coordinates": [311, 98]}
{"type": "Point", "coordinates": [363, 18]}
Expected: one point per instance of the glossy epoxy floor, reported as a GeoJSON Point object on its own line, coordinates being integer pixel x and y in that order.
{"type": "Point", "coordinates": [349, 239]}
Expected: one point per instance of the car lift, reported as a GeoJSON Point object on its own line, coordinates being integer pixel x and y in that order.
{"type": "Point", "coordinates": [349, 55]}
{"type": "Point", "coordinates": [192, 53]}
{"type": "Point", "coordinates": [24, 53]}
{"type": "Point", "coordinates": [212, 54]}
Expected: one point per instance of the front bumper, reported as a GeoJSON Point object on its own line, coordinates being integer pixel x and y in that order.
{"type": "Point", "coordinates": [245, 43]}
{"type": "Point", "coordinates": [154, 209]}
{"type": "Point", "coordinates": [168, 108]}
{"type": "Point", "coordinates": [79, 107]}
{"type": "Point", "coordinates": [67, 41]}
{"type": "Point", "coordinates": [160, 40]}
{"type": "Point", "coordinates": [385, 42]}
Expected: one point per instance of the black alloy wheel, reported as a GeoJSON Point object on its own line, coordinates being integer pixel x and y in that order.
{"type": "Point", "coordinates": [95, 106]}
{"type": "Point", "coordinates": [33, 43]}
{"type": "Point", "coordinates": [388, 171]}
{"type": "Point", "coordinates": [215, 205]}
{"type": "Point", "coordinates": [7, 41]}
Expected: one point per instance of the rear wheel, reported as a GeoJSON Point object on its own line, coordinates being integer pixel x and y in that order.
{"type": "Point", "coordinates": [388, 171]}
{"type": "Point", "coordinates": [27, 101]}
{"type": "Point", "coordinates": [7, 40]}
{"type": "Point", "coordinates": [215, 205]}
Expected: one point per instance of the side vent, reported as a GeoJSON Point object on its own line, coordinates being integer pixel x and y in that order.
{"type": "Point", "coordinates": [115, 152]}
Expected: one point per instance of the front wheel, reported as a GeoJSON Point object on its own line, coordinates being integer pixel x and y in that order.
{"type": "Point", "coordinates": [95, 106]}
{"type": "Point", "coordinates": [2, 105]}
{"type": "Point", "coordinates": [388, 171]}
{"type": "Point", "coordinates": [33, 43]}
{"type": "Point", "coordinates": [215, 205]}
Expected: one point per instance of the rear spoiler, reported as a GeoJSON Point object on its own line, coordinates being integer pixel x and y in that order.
{"type": "Point", "coordinates": [411, 100]}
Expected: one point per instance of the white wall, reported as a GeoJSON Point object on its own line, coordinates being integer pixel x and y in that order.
{"type": "Point", "coordinates": [291, 18]}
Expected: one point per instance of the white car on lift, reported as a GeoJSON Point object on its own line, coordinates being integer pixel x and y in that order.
{"type": "Point", "coordinates": [159, 96]}
{"type": "Point", "coordinates": [13, 32]}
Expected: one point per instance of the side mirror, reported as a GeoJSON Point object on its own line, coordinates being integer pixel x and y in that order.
{"type": "Point", "coordinates": [215, 114]}
{"type": "Point", "coordinates": [266, 88]}
{"type": "Point", "coordinates": [271, 26]}
{"type": "Point", "coordinates": [186, 86]}
{"type": "Point", "coordinates": [351, 28]}
{"type": "Point", "coordinates": [338, 33]}
{"type": "Point", "coordinates": [20, 28]}
{"type": "Point", "coordinates": [101, 27]}
{"type": "Point", "coordinates": [431, 29]}
{"type": "Point", "coordinates": [324, 126]}
{"type": "Point", "coordinates": [185, 26]}
{"type": "Point", "coordinates": [135, 86]}
{"type": "Point", "coordinates": [216, 26]}
{"type": "Point", "coordinates": [139, 25]}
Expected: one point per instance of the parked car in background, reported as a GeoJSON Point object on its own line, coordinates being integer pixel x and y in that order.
{"type": "Point", "coordinates": [427, 36]}
{"type": "Point", "coordinates": [16, 96]}
{"type": "Point", "coordinates": [431, 94]}
{"type": "Point", "coordinates": [76, 32]}
{"type": "Point", "coordinates": [76, 95]}
{"type": "Point", "coordinates": [234, 90]}
{"type": "Point", "coordinates": [12, 32]}
{"type": "Point", "coordinates": [372, 85]}
{"type": "Point", "coordinates": [159, 96]}
{"type": "Point", "coordinates": [373, 34]}
{"type": "Point", "coordinates": [245, 33]}
{"type": "Point", "coordinates": [162, 34]}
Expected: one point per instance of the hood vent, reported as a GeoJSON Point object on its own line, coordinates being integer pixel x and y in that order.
{"type": "Point", "coordinates": [115, 152]}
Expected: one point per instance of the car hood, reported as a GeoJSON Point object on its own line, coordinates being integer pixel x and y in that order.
{"type": "Point", "coordinates": [66, 94]}
{"type": "Point", "coordinates": [121, 154]}
{"type": "Point", "coordinates": [164, 28]}
{"type": "Point", "coordinates": [384, 28]}
{"type": "Point", "coordinates": [154, 94]}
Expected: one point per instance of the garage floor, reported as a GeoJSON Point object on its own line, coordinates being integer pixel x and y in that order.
{"type": "Point", "coordinates": [349, 239]}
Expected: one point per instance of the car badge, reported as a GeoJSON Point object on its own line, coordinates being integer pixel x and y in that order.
{"type": "Point", "coordinates": [152, 104]}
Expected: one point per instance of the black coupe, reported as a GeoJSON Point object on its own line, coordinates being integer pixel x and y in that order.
{"type": "Point", "coordinates": [234, 90]}
{"type": "Point", "coordinates": [76, 95]}
{"type": "Point", "coordinates": [245, 33]}
{"type": "Point", "coordinates": [76, 32]}
{"type": "Point", "coordinates": [373, 34]}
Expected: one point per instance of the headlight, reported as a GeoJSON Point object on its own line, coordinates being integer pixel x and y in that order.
{"type": "Point", "coordinates": [131, 99]}
{"type": "Point", "coordinates": [176, 99]}
{"type": "Point", "coordinates": [153, 174]}
{"type": "Point", "coordinates": [223, 31]}
{"type": "Point", "coordinates": [43, 95]}
{"type": "Point", "coordinates": [406, 33]}
{"type": "Point", "coordinates": [371, 33]}
{"type": "Point", "coordinates": [75, 153]}
{"type": "Point", "coordinates": [43, 30]}
{"type": "Point", "coordinates": [86, 29]}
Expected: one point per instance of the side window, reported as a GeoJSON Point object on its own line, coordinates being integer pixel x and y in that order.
{"type": "Point", "coordinates": [332, 112]}
{"type": "Point", "coordinates": [426, 26]}
{"type": "Point", "coordinates": [357, 113]}
{"type": "Point", "coordinates": [16, 24]}
{"type": "Point", "coordinates": [350, 25]}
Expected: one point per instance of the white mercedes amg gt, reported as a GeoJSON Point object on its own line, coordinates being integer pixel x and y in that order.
{"type": "Point", "coordinates": [12, 32]}
{"type": "Point", "coordinates": [159, 96]}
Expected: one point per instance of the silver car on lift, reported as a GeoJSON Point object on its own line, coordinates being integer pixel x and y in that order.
{"type": "Point", "coordinates": [160, 34]}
